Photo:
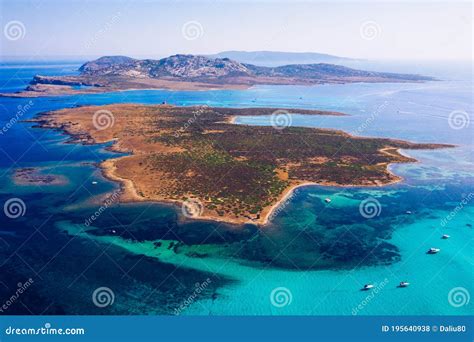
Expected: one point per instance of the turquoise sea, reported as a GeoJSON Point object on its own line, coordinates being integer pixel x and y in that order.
{"type": "Point", "coordinates": [312, 259]}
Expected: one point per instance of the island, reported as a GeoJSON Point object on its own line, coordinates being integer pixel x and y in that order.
{"type": "Point", "coordinates": [190, 72]}
{"type": "Point", "coordinates": [35, 176]}
{"type": "Point", "coordinates": [235, 173]}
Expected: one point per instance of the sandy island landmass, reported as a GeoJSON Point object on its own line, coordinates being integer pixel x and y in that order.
{"type": "Point", "coordinates": [71, 85]}
{"type": "Point", "coordinates": [76, 85]}
{"type": "Point", "coordinates": [225, 172]}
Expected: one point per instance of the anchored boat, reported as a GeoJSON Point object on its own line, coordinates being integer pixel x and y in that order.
{"type": "Point", "coordinates": [367, 286]}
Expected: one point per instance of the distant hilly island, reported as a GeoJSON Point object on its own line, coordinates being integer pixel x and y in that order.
{"type": "Point", "coordinates": [192, 72]}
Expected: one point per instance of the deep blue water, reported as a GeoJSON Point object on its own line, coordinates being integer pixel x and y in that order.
{"type": "Point", "coordinates": [320, 254]}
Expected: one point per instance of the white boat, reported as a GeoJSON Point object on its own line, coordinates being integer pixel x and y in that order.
{"type": "Point", "coordinates": [404, 284]}
{"type": "Point", "coordinates": [445, 236]}
{"type": "Point", "coordinates": [433, 250]}
{"type": "Point", "coordinates": [368, 286]}
{"type": "Point", "coordinates": [94, 182]}
{"type": "Point", "coordinates": [327, 200]}
{"type": "Point", "coordinates": [408, 212]}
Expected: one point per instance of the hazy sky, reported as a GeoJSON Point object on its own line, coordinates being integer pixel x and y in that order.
{"type": "Point", "coordinates": [374, 30]}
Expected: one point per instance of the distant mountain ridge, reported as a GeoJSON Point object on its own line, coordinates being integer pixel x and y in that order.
{"type": "Point", "coordinates": [278, 58]}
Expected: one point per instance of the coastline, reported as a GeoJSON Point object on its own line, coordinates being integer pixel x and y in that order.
{"type": "Point", "coordinates": [131, 192]}
{"type": "Point", "coordinates": [289, 191]}
{"type": "Point", "coordinates": [60, 90]}
{"type": "Point", "coordinates": [130, 195]}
